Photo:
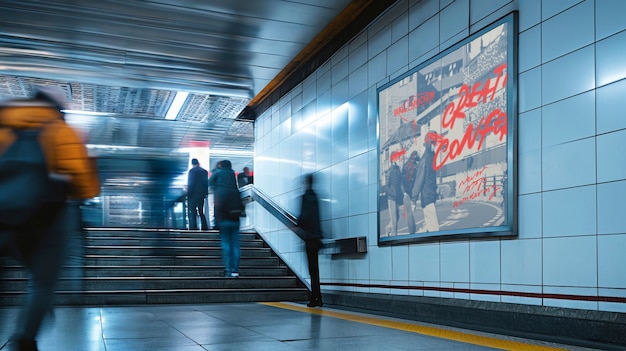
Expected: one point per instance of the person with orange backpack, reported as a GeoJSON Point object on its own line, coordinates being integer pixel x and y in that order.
{"type": "Point", "coordinates": [43, 164]}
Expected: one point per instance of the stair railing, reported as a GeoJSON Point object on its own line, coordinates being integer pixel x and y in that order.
{"type": "Point", "coordinates": [352, 245]}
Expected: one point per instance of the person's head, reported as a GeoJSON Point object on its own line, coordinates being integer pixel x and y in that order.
{"type": "Point", "coordinates": [308, 181]}
{"type": "Point", "coordinates": [226, 164]}
{"type": "Point", "coordinates": [52, 94]}
{"type": "Point", "coordinates": [195, 162]}
{"type": "Point", "coordinates": [246, 170]}
{"type": "Point", "coordinates": [431, 139]}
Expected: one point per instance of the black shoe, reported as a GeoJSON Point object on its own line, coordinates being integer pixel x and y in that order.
{"type": "Point", "coordinates": [315, 303]}
{"type": "Point", "coordinates": [24, 345]}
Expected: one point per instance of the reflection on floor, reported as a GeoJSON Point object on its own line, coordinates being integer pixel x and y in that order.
{"type": "Point", "coordinates": [249, 326]}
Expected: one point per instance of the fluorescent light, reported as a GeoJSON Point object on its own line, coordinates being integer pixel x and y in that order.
{"type": "Point", "coordinates": [179, 100]}
{"type": "Point", "coordinates": [86, 113]}
{"type": "Point", "coordinates": [220, 152]}
{"type": "Point", "coordinates": [226, 152]}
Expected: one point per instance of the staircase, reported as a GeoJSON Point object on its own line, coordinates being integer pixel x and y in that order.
{"type": "Point", "coordinates": [149, 266]}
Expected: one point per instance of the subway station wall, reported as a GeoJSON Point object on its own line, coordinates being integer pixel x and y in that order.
{"type": "Point", "coordinates": [571, 170]}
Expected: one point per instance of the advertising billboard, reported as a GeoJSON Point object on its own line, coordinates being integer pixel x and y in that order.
{"type": "Point", "coordinates": [447, 143]}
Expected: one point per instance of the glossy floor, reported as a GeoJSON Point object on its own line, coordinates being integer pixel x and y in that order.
{"type": "Point", "coordinates": [250, 326]}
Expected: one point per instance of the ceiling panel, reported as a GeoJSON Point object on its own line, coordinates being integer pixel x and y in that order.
{"type": "Point", "coordinates": [125, 60]}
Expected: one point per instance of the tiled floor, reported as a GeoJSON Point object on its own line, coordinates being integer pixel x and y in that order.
{"type": "Point", "coordinates": [249, 326]}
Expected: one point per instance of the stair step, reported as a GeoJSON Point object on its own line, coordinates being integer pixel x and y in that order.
{"type": "Point", "coordinates": [157, 283]}
{"type": "Point", "coordinates": [103, 260]}
{"type": "Point", "coordinates": [17, 272]}
{"type": "Point", "coordinates": [178, 251]}
{"type": "Point", "coordinates": [138, 266]}
{"type": "Point", "coordinates": [177, 296]}
{"type": "Point", "coordinates": [187, 242]}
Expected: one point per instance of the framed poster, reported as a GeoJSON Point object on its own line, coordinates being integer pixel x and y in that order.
{"type": "Point", "coordinates": [447, 143]}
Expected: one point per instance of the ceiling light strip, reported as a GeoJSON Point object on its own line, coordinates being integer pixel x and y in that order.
{"type": "Point", "coordinates": [179, 101]}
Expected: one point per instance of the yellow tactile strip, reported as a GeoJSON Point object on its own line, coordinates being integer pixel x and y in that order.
{"type": "Point", "coordinates": [420, 329]}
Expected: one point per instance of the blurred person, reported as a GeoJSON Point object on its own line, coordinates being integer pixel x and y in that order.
{"type": "Point", "coordinates": [409, 174]}
{"type": "Point", "coordinates": [393, 189]}
{"type": "Point", "coordinates": [310, 225]}
{"type": "Point", "coordinates": [40, 243]}
{"type": "Point", "coordinates": [197, 190]}
{"type": "Point", "coordinates": [227, 207]}
{"type": "Point", "coordinates": [244, 178]}
{"type": "Point", "coordinates": [426, 185]}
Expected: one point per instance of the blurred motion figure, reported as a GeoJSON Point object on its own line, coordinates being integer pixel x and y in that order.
{"type": "Point", "coordinates": [227, 207]}
{"type": "Point", "coordinates": [40, 243]}
{"type": "Point", "coordinates": [244, 178]}
{"type": "Point", "coordinates": [197, 190]}
{"type": "Point", "coordinates": [310, 226]}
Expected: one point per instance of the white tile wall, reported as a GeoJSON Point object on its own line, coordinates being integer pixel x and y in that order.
{"type": "Point", "coordinates": [400, 263]}
{"type": "Point", "coordinates": [530, 216]}
{"type": "Point", "coordinates": [611, 261]}
{"type": "Point", "coordinates": [568, 75]}
{"type": "Point", "coordinates": [454, 19]}
{"type": "Point", "coordinates": [610, 65]}
{"type": "Point", "coordinates": [522, 262]}
{"type": "Point", "coordinates": [570, 164]}
{"type": "Point", "coordinates": [576, 23]}
{"type": "Point", "coordinates": [529, 49]}
{"type": "Point", "coordinates": [530, 90]}
{"type": "Point", "coordinates": [529, 172]}
{"type": "Point", "coordinates": [424, 263]}
{"type": "Point", "coordinates": [571, 135]}
{"type": "Point", "coordinates": [582, 304]}
{"type": "Point", "coordinates": [552, 8]}
{"type": "Point", "coordinates": [611, 219]}
{"type": "Point", "coordinates": [609, 106]}
{"type": "Point", "coordinates": [576, 205]}
{"type": "Point", "coordinates": [484, 262]}
{"type": "Point", "coordinates": [529, 14]}
{"type": "Point", "coordinates": [570, 261]}
{"type": "Point", "coordinates": [455, 262]}
{"type": "Point", "coordinates": [609, 19]}
{"type": "Point", "coordinates": [568, 120]}
{"type": "Point", "coordinates": [610, 151]}
{"type": "Point", "coordinates": [526, 299]}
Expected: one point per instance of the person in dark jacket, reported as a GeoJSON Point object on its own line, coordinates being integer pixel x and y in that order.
{"type": "Point", "coordinates": [409, 174]}
{"type": "Point", "coordinates": [310, 226]}
{"type": "Point", "coordinates": [394, 198]}
{"type": "Point", "coordinates": [426, 185]}
{"type": "Point", "coordinates": [227, 207]}
{"type": "Point", "coordinates": [244, 178]}
{"type": "Point", "coordinates": [197, 190]}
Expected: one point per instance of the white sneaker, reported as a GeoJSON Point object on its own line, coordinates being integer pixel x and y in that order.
{"type": "Point", "coordinates": [235, 275]}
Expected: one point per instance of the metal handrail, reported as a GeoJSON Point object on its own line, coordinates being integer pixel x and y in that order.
{"type": "Point", "coordinates": [352, 245]}
{"type": "Point", "coordinates": [288, 219]}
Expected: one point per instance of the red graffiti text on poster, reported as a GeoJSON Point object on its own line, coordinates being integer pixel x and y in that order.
{"type": "Point", "coordinates": [496, 122]}
{"type": "Point", "coordinates": [470, 98]}
{"type": "Point", "coordinates": [474, 186]}
{"type": "Point", "coordinates": [472, 182]}
{"type": "Point", "coordinates": [482, 190]}
{"type": "Point", "coordinates": [447, 150]}
{"type": "Point", "coordinates": [414, 102]}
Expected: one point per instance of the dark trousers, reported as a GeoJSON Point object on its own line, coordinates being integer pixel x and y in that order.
{"type": "Point", "coordinates": [312, 249]}
{"type": "Point", "coordinates": [42, 249]}
{"type": "Point", "coordinates": [195, 208]}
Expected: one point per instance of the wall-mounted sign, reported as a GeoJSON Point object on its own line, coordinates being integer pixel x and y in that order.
{"type": "Point", "coordinates": [447, 140]}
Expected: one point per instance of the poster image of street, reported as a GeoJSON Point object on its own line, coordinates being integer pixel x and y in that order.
{"type": "Point", "coordinates": [446, 140]}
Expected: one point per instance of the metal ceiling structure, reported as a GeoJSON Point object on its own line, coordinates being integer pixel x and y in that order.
{"type": "Point", "coordinates": [122, 62]}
